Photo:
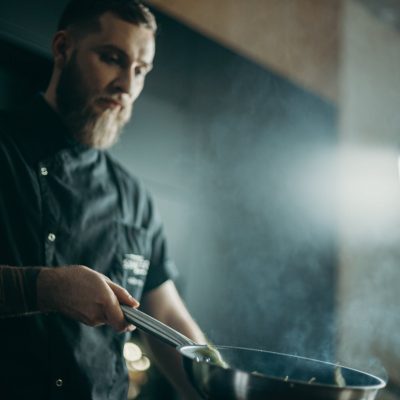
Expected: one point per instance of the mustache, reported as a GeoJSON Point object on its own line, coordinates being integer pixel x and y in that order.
{"type": "Point", "coordinates": [124, 101]}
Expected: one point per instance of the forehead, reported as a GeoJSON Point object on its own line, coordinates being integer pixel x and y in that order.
{"type": "Point", "coordinates": [135, 40]}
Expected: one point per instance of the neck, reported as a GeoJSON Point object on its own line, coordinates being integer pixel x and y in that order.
{"type": "Point", "coordinates": [50, 96]}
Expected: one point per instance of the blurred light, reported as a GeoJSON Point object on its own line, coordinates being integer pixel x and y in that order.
{"type": "Point", "coordinates": [369, 189]}
{"type": "Point", "coordinates": [398, 167]}
{"type": "Point", "coordinates": [140, 365]}
{"type": "Point", "coordinates": [132, 352]}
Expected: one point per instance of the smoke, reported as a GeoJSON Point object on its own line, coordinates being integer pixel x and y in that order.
{"type": "Point", "coordinates": [313, 255]}
{"type": "Point", "coordinates": [286, 239]}
{"type": "Point", "coordinates": [369, 233]}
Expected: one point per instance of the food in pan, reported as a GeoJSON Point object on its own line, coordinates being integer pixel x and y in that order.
{"type": "Point", "coordinates": [211, 355]}
{"type": "Point", "coordinates": [338, 377]}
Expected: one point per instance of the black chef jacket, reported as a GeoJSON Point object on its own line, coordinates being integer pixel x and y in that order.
{"type": "Point", "coordinates": [62, 203]}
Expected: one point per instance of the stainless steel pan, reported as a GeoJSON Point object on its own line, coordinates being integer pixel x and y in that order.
{"type": "Point", "coordinates": [255, 374]}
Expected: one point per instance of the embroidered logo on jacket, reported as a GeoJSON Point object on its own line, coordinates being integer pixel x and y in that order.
{"type": "Point", "coordinates": [137, 268]}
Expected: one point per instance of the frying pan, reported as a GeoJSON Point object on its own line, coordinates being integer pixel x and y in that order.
{"type": "Point", "coordinates": [256, 374]}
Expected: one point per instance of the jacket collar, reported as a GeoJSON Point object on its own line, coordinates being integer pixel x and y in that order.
{"type": "Point", "coordinates": [41, 130]}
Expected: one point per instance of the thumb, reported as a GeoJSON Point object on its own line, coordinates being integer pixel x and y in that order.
{"type": "Point", "coordinates": [123, 295]}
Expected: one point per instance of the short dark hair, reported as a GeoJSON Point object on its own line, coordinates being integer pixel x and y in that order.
{"type": "Point", "coordinates": [79, 13]}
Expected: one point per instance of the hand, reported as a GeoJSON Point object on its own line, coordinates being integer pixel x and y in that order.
{"type": "Point", "coordinates": [85, 295]}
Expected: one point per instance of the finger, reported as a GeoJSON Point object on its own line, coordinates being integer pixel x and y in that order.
{"type": "Point", "coordinates": [129, 328]}
{"type": "Point", "coordinates": [123, 295]}
{"type": "Point", "coordinates": [114, 315]}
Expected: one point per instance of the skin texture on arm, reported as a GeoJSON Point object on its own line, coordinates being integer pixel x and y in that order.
{"type": "Point", "coordinates": [75, 291]}
{"type": "Point", "coordinates": [165, 304]}
{"type": "Point", "coordinates": [84, 295]}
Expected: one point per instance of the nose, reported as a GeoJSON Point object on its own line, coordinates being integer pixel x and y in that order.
{"type": "Point", "coordinates": [125, 81]}
{"type": "Point", "coordinates": [128, 82]}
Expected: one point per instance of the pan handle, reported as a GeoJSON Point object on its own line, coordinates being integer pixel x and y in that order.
{"type": "Point", "coordinates": [155, 327]}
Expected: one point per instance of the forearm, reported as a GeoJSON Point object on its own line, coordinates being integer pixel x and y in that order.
{"type": "Point", "coordinates": [76, 291]}
{"type": "Point", "coordinates": [18, 290]}
{"type": "Point", "coordinates": [169, 362]}
{"type": "Point", "coordinates": [165, 304]}
{"type": "Point", "coordinates": [184, 323]}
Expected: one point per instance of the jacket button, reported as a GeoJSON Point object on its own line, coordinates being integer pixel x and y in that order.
{"type": "Point", "coordinates": [51, 237]}
{"type": "Point", "coordinates": [44, 171]}
{"type": "Point", "coordinates": [59, 382]}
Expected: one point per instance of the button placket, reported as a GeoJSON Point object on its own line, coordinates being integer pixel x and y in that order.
{"type": "Point", "coordinates": [59, 382]}
{"type": "Point", "coordinates": [44, 171]}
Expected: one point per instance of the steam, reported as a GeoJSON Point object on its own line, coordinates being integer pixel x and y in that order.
{"type": "Point", "coordinates": [324, 220]}
{"type": "Point", "coordinates": [369, 258]}
{"type": "Point", "coordinates": [286, 237]}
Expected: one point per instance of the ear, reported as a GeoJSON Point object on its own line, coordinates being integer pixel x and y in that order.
{"type": "Point", "coordinates": [60, 46]}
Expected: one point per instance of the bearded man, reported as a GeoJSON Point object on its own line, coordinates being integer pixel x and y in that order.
{"type": "Point", "coordinates": [78, 235]}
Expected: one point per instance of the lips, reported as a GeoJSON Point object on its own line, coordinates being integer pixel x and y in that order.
{"type": "Point", "coordinates": [109, 103]}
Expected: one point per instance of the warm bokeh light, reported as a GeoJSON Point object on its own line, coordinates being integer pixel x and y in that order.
{"type": "Point", "coordinates": [140, 365]}
{"type": "Point", "coordinates": [132, 352]}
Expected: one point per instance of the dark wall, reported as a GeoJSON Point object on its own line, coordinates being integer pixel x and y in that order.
{"type": "Point", "coordinates": [261, 163]}
{"type": "Point", "coordinates": [239, 160]}
{"type": "Point", "coordinates": [22, 73]}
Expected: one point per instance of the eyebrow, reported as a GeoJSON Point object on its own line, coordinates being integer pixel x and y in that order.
{"type": "Point", "coordinates": [122, 53]}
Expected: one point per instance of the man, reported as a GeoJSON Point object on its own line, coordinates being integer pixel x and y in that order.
{"type": "Point", "coordinates": [78, 235]}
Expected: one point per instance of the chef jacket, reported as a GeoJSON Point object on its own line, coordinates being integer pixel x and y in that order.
{"type": "Point", "coordinates": [63, 203]}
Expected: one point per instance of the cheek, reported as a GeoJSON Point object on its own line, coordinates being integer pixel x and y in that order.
{"type": "Point", "coordinates": [95, 77]}
{"type": "Point", "coordinates": [95, 82]}
{"type": "Point", "coordinates": [137, 88]}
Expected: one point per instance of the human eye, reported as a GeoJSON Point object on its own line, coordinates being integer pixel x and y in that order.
{"type": "Point", "coordinates": [141, 70]}
{"type": "Point", "coordinates": [110, 58]}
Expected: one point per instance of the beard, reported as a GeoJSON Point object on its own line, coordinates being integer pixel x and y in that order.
{"type": "Point", "coordinates": [93, 128]}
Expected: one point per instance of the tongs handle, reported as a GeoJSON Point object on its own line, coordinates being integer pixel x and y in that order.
{"type": "Point", "coordinates": [155, 327]}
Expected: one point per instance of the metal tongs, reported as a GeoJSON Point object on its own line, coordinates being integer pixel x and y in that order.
{"type": "Point", "coordinates": [155, 327]}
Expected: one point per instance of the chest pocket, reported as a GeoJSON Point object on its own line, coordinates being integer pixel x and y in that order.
{"type": "Point", "coordinates": [132, 259]}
